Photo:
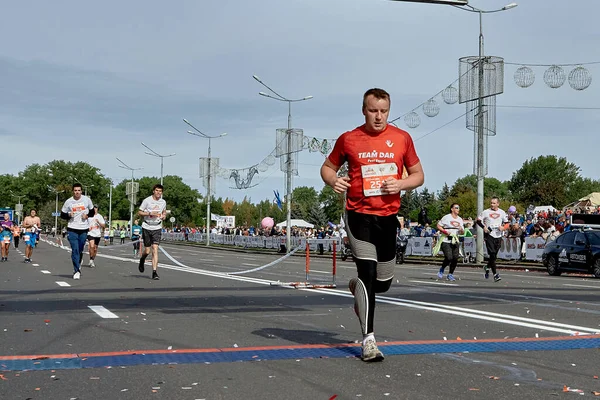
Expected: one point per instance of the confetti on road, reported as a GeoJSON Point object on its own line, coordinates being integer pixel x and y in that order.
{"type": "Point", "coordinates": [568, 389]}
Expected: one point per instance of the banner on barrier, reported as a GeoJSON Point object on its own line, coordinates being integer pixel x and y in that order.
{"type": "Point", "coordinates": [534, 248]}
{"type": "Point", "coordinates": [422, 246]}
{"type": "Point", "coordinates": [510, 249]}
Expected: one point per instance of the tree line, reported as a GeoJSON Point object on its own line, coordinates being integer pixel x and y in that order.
{"type": "Point", "coordinates": [545, 180]}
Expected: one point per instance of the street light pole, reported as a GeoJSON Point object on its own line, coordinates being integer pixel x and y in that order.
{"type": "Point", "coordinates": [209, 177]}
{"type": "Point", "coordinates": [56, 192]}
{"type": "Point", "coordinates": [19, 206]}
{"type": "Point", "coordinates": [480, 162]}
{"type": "Point", "coordinates": [125, 166]}
{"type": "Point", "coordinates": [288, 170]}
{"type": "Point", "coordinates": [110, 205]}
{"type": "Point", "coordinates": [162, 157]}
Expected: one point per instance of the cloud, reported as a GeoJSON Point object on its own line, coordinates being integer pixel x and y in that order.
{"type": "Point", "coordinates": [91, 89]}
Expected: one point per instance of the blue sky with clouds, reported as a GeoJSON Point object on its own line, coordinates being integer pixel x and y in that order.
{"type": "Point", "coordinates": [90, 81]}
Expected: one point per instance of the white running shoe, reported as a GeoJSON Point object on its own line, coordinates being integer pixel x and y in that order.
{"type": "Point", "coordinates": [370, 351]}
{"type": "Point", "coordinates": [92, 265]}
{"type": "Point", "coordinates": [76, 275]}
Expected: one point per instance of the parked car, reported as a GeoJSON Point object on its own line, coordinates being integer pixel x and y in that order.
{"type": "Point", "coordinates": [577, 250]}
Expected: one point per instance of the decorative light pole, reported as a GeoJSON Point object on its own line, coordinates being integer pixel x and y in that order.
{"type": "Point", "coordinates": [209, 173]}
{"type": "Point", "coordinates": [288, 171]}
{"type": "Point", "coordinates": [480, 158]}
{"type": "Point", "coordinates": [155, 154]}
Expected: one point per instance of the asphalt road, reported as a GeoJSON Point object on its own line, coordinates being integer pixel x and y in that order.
{"type": "Point", "coordinates": [199, 333]}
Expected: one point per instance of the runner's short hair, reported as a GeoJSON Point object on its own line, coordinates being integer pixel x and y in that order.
{"type": "Point", "coordinates": [378, 94]}
{"type": "Point", "coordinates": [76, 184]}
{"type": "Point", "coordinates": [157, 186]}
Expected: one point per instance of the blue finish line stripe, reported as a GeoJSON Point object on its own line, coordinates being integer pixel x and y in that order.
{"type": "Point", "coordinates": [161, 357]}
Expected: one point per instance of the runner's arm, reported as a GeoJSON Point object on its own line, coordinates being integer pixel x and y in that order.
{"type": "Point", "coordinates": [329, 176]}
{"type": "Point", "coordinates": [415, 178]}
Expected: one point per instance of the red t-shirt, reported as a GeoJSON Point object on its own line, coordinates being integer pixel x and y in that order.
{"type": "Point", "coordinates": [371, 158]}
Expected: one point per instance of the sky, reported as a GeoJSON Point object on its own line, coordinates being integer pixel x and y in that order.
{"type": "Point", "coordinates": [85, 81]}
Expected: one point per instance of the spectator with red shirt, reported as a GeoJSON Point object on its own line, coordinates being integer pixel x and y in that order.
{"type": "Point", "coordinates": [377, 154]}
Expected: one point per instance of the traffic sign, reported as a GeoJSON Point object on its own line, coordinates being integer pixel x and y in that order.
{"type": "Point", "coordinates": [56, 214]}
{"type": "Point", "coordinates": [172, 219]}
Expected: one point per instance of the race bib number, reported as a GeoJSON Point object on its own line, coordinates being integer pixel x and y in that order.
{"type": "Point", "coordinates": [78, 207]}
{"type": "Point", "coordinates": [6, 239]}
{"type": "Point", "coordinates": [374, 175]}
{"type": "Point", "coordinates": [26, 238]}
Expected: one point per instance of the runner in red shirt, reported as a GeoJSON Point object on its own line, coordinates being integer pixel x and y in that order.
{"type": "Point", "coordinates": [376, 154]}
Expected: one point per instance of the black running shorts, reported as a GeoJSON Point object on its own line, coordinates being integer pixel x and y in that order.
{"type": "Point", "coordinates": [95, 239]}
{"type": "Point", "coordinates": [151, 237]}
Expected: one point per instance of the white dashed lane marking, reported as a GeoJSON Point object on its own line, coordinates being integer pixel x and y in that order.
{"type": "Point", "coordinates": [62, 283]}
{"type": "Point", "coordinates": [45, 271]}
{"type": "Point", "coordinates": [103, 312]}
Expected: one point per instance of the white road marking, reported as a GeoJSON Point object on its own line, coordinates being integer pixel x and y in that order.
{"type": "Point", "coordinates": [586, 286]}
{"type": "Point", "coordinates": [251, 265]}
{"type": "Point", "coordinates": [62, 283]}
{"type": "Point", "coordinates": [36, 265]}
{"type": "Point", "coordinates": [436, 283]}
{"type": "Point", "coordinates": [320, 272]}
{"type": "Point", "coordinates": [45, 271]}
{"type": "Point", "coordinates": [102, 312]}
{"type": "Point", "coordinates": [550, 326]}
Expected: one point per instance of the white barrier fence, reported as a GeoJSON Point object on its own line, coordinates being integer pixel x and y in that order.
{"type": "Point", "coordinates": [510, 249]}
{"type": "Point", "coordinates": [262, 242]}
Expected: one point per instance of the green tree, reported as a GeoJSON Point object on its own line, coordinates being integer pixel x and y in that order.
{"type": "Point", "coordinates": [582, 187]}
{"type": "Point", "coordinates": [304, 198]}
{"type": "Point", "coordinates": [317, 216]}
{"type": "Point", "coordinates": [332, 203]}
{"type": "Point", "coordinates": [544, 180]}
{"type": "Point", "coordinates": [444, 193]}
{"type": "Point", "coordinates": [491, 187]}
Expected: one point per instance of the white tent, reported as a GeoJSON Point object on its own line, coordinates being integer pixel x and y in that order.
{"type": "Point", "coordinates": [300, 223]}
{"type": "Point", "coordinates": [539, 209]}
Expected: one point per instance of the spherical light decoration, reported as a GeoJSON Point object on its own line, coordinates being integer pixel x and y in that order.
{"type": "Point", "coordinates": [270, 160]}
{"type": "Point", "coordinates": [524, 77]}
{"type": "Point", "coordinates": [431, 108]}
{"type": "Point", "coordinates": [450, 95]}
{"type": "Point", "coordinates": [262, 166]}
{"type": "Point", "coordinates": [412, 120]}
{"type": "Point", "coordinates": [224, 173]}
{"type": "Point", "coordinates": [580, 78]}
{"type": "Point", "coordinates": [554, 76]}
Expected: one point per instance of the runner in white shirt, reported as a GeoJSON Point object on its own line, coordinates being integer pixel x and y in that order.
{"type": "Point", "coordinates": [154, 211]}
{"type": "Point", "coordinates": [106, 235]}
{"type": "Point", "coordinates": [492, 221]}
{"type": "Point", "coordinates": [97, 223]}
{"type": "Point", "coordinates": [451, 225]}
{"type": "Point", "coordinates": [77, 210]}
